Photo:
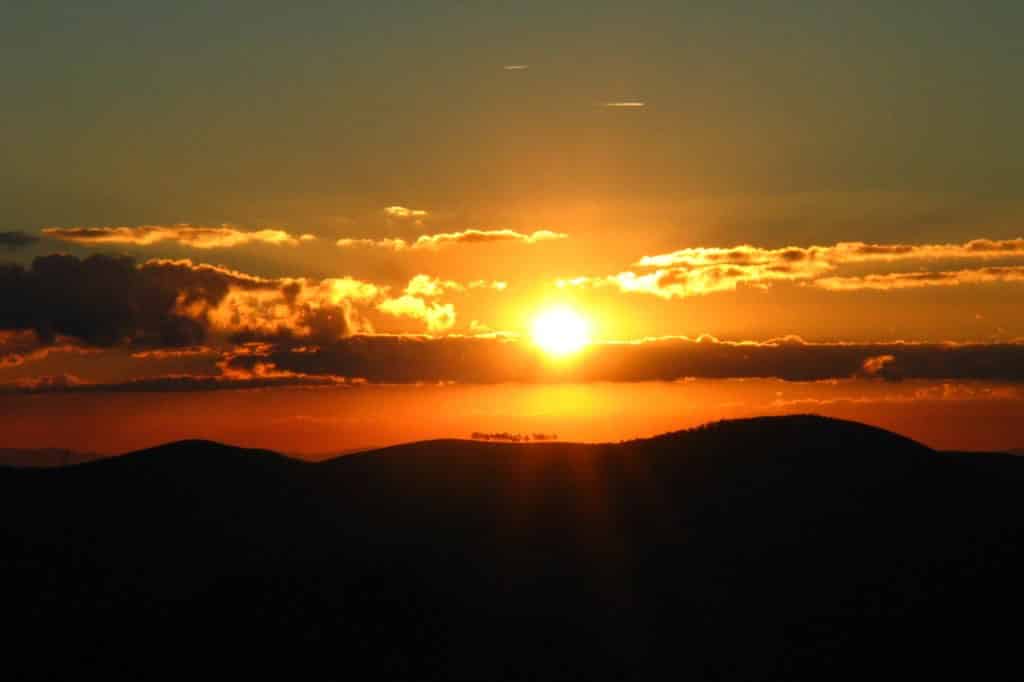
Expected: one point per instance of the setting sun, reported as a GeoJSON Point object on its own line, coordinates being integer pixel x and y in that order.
{"type": "Point", "coordinates": [560, 331]}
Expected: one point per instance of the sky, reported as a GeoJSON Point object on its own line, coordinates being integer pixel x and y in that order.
{"type": "Point", "coordinates": [320, 226]}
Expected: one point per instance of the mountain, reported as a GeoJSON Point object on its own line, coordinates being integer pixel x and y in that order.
{"type": "Point", "coordinates": [43, 457]}
{"type": "Point", "coordinates": [784, 547]}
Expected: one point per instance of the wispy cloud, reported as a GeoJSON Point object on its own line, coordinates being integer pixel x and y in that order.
{"type": "Point", "coordinates": [431, 287]}
{"type": "Point", "coordinates": [404, 213]}
{"type": "Point", "coordinates": [516, 67]}
{"type": "Point", "coordinates": [704, 270]}
{"type": "Point", "coordinates": [626, 105]}
{"type": "Point", "coordinates": [198, 237]}
{"type": "Point", "coordinates": [839, 254]}
{"type": "Point", "coordinates": [434, 241]}
{"type": "Point", "coordinates": [919, 279]}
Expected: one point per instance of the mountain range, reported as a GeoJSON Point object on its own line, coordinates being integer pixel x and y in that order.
{"type": "Point", "coordinates": [785, 547]}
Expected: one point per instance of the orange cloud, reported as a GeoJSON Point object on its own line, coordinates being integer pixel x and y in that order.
{"type": "Point", "coordinates": [173, 353]}
{"type": "Point", "coordinates": [842, 253]}
{"type": "Point", "coordinates": [22, 346]}
{"type": "Point", "coordinates": [437, 316]}
{"type": "Point", "coordinates": [198, 237]}
{"type": "Point", "coordinates": [434, 241]}
{"type": "Point", "coordinates": [425, 285]}
{"type": "Point", "coordinates": [704, 270]}
{"type": "Point", "coordinates": [874, 365]}
{"type": "Point", "coordinates": [431, 287]}
{"type": "Point", "coordinates": [697, 281]}
{"type": "Point", "coordinates": [403, 212]}
{"type": "Point", "coordinates": [914, 280]}
{"type": "Point", "coordinates": [299, 307]}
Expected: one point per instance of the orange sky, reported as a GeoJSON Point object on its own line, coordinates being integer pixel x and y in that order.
{"type": "Point", "coordinates": [207, 208]}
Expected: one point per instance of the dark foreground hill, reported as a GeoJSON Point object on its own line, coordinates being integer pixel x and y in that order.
{"type": "Point", "coordinates": [775, 548]}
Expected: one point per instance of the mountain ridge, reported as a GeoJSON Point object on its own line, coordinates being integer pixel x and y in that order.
{"type": "Point", "coordinates": [780, 548]}
{"type": "Point", "coordinates": [694, 434]}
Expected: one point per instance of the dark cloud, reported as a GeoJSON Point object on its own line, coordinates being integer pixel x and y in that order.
{"type": "Point", "coordinates": [108, 300]}
{"type": "Point", "coordinates": [105, 300]}
{"type": "Point", "coordinates": [489, 360]}
{"type": "Point", "coordinates": [67, 383]}
{"type": "Point", "coordinates": [404, 359]}
{"type": "Point", "coordinates": [12, 241]}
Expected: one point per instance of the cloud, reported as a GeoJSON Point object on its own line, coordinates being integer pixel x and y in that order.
{"type": "Point", "coordinates": [425, 285]}
{"type": "Point", "coordinates": [435, 241]}
{"type": "Point", "coordinates": [842, 253]}
{"type": "Point", "coordinates": [172, 383]}
{"type": "Point", "coordinates": [108, 300]}
{"type": "Point", "coordinates": [704, 270]}
{"type": "Point", "coordinates": [173, 353]}
{"type": "Point", "coordinates": [499, 359]}
{"type": "Point", "coordinates": [44, 384]}
{"type": "Point", "coordinates": [495, 284]}
{"type": "Point", "coordinates": [491, 359]}
{"type": "Point", "coordinates": [401, 212]}
{"type": "Point", "coordinates": [20, 347]}
{"type": "Point", "coordinates": [12, 241]}
{"type": "Point", "coordinates": [683, 282]}
{"type": "Point", "coordinates": [392, 244]}
{"type": "Point", "coordinates": [198, 237]}
{"type": "Point", "coordinates": [431, 287]}
{"type": "Point", "coordinates": [874, 366]}
{"type": "Point", "coordinates": [516, 67]}
{"type": "Point", "coordinates": [626, 105]}
{"type": "Point", "coordinates": [437, 316]}
{"type": "Point", "coordinates": [914, 280]}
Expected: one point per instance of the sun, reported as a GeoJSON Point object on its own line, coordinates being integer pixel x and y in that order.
{"type": "Point", "coordinates": [560, 331]}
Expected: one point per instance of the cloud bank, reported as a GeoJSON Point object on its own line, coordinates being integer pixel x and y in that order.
{"type": "Point", "coordinates": [498, 359]}
{"type": "Point", "coordinates": [491, 359]}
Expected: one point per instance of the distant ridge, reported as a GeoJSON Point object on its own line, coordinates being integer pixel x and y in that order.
{"type": "Point", "coordinates": [757, 429]}
{"type": "Point", "coordinates": [767, 548]}
{"type": "Point", "coordinates": [802, 430]}
{"type": "Point", "coordinates": [190, 449]}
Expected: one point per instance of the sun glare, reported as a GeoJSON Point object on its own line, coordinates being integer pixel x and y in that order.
{"type": "Point", "coordinates": [560, 331]}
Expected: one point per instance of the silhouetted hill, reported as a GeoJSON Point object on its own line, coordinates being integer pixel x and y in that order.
{"type": "Point", "coordinates": [43, 457]}
{"type": "Point", "coordinates": [786, 547]}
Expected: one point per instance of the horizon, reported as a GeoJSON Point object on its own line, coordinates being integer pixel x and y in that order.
{"type": "Point", "coordinates": [501, 438]}
{"type": "Point", "coordinates": [321, 228]}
